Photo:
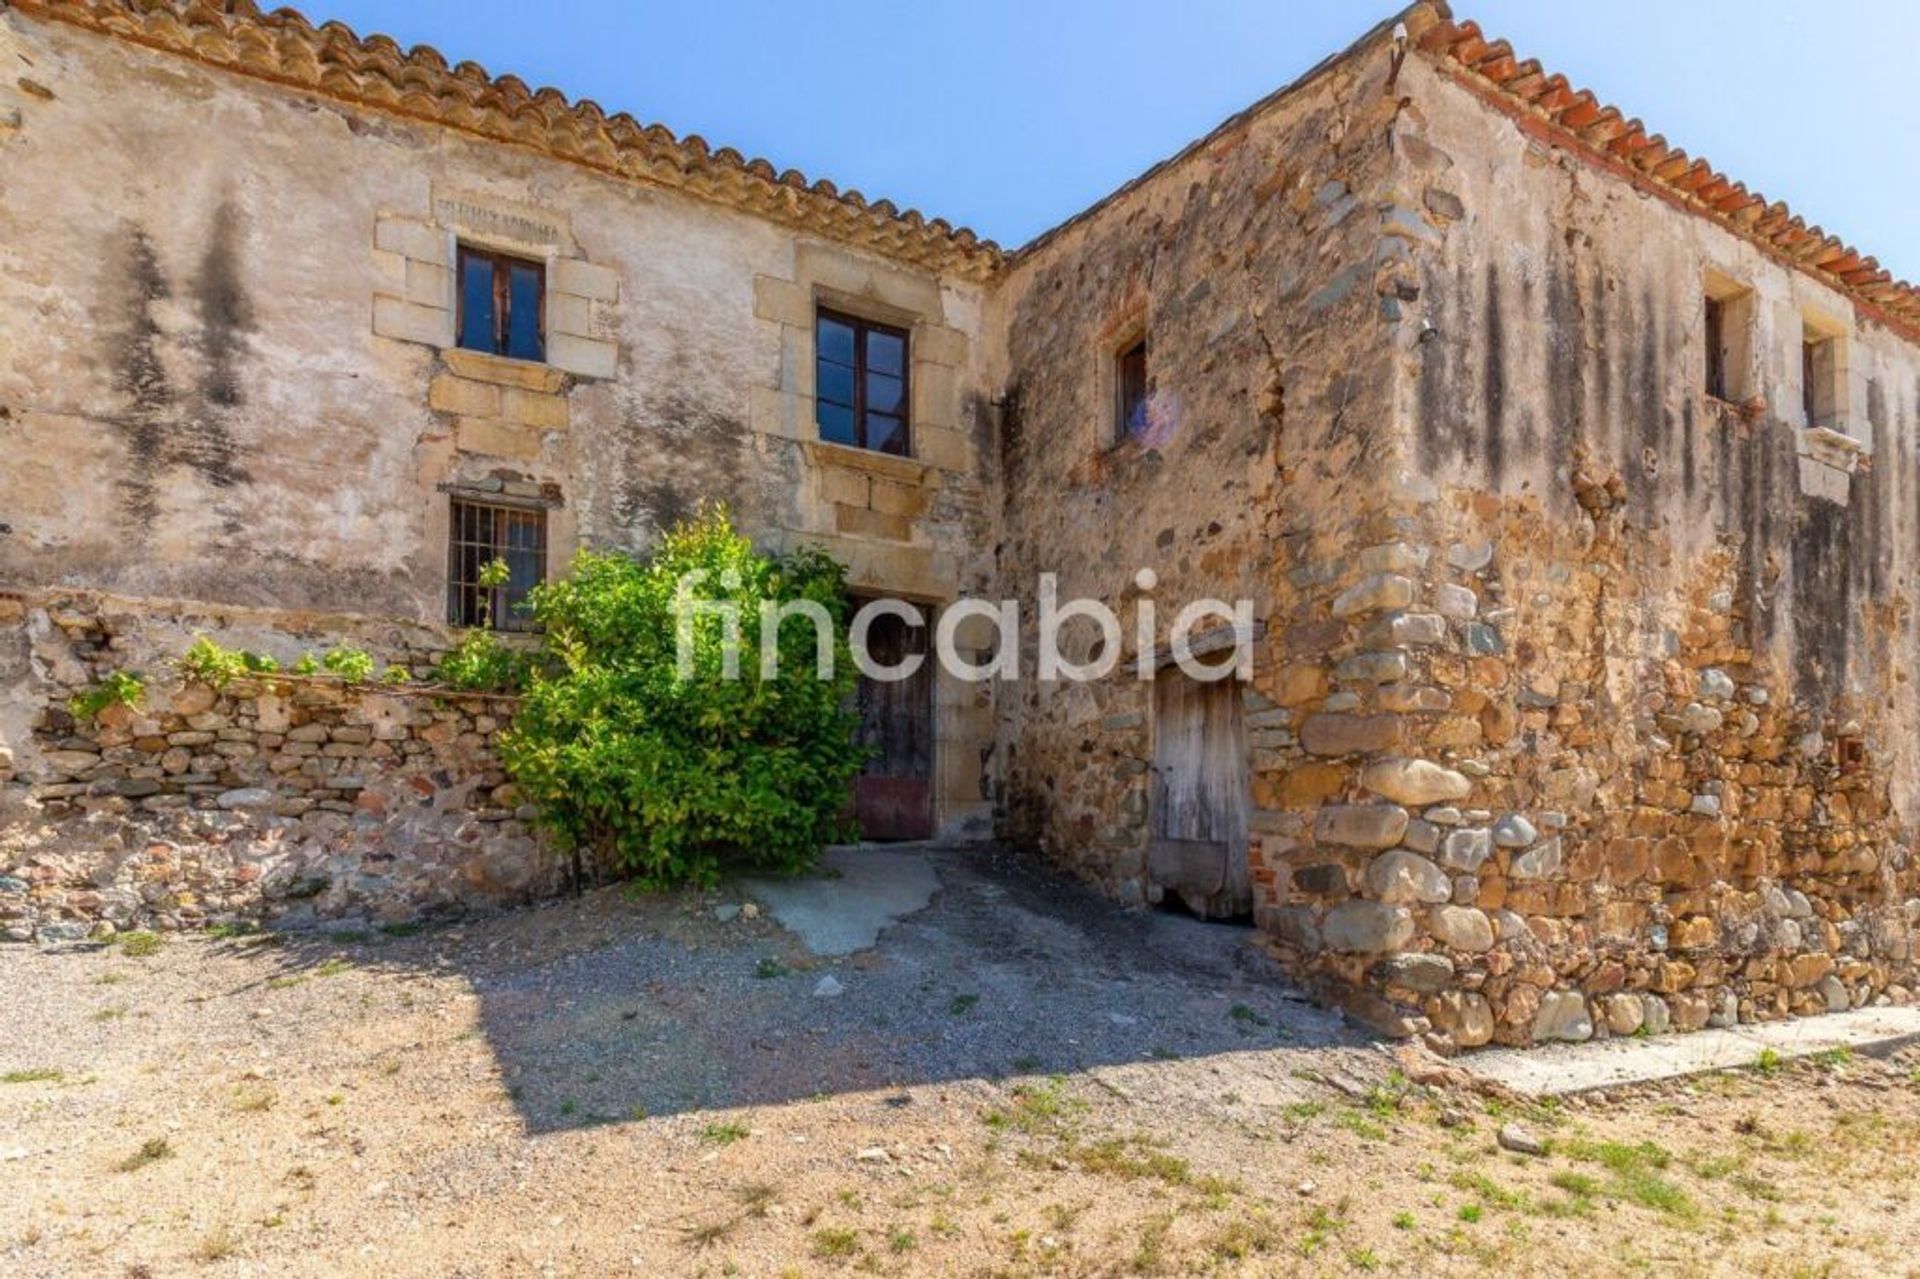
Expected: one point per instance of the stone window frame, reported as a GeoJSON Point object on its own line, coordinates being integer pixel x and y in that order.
{"type": "Point", "coordinates": [1827, 403]}
{"type": "Point", "coordinates": [1737, 330]}
{"type": "Point", "coordinates": [1131, 325]}
{"type": "Point", "coordinates": [415, 292]}
{"type": "Point", "coordinates": [837, 279]}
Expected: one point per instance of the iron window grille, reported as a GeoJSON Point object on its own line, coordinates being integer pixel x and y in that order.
{"type": "Point", "coordinates": [480, 533]}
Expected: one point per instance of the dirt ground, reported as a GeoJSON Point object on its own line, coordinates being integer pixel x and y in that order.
{"type": "Point", "coordinates": [1018, 1080]}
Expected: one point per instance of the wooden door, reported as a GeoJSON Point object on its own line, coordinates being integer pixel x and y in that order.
{"type": "Point", "coordinates": [1198, 850]}
{"type": "Point", "coordinates": [893, 796]}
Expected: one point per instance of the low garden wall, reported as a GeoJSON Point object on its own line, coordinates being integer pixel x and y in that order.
{"type": "Point", "coordinates": [280, 799]}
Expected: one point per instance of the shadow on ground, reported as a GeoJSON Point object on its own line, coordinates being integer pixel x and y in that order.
{"type": "Point", "coordinates": [615, 1006]}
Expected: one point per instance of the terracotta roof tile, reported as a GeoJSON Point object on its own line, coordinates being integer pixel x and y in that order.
{"type": "Point", "coordinates": [1576, 120]}
{"type": "Point", "coordinates": [375, 73]}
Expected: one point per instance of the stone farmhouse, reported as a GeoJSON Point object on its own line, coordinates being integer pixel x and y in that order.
{"type": "Point", "coordinates": [1576, 488]}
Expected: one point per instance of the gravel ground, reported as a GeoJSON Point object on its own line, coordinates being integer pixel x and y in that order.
{"type": "Point", "coordinates": [1018, 1079]}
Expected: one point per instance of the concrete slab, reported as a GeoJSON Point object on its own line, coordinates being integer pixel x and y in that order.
{"type": "Point", "coordinates": [857, 894]}
{"type": "Point", "coordinates": [1557, 1069]}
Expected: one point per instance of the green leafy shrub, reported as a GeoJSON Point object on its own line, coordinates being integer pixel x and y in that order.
{"type": "Point", "coordinates": [353, 665]}
{"type": "Point", "coordinates": [481, 663]}
{"type": "Point", "coordinates": [396, 675]}
{"type": "Point", "coordinates": [667, 778]}
{"type": "Point", "coordinates": [307, 665]}
{"type": "Point", "coordinates": [213, 664]}
{"type": "Point", "coordinates": [120, 688]}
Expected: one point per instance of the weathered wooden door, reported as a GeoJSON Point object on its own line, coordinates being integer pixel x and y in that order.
{"type": "Point", "coordinates": [1199, 802]}
{"type": "Point", "coordinates": [893, 796]}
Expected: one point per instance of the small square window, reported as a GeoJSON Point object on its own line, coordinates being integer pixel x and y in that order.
{"type": "Point", "coordinates": [860, 384]}
{"type": "Point", "coordinates": [480, 533]}
{"type": "Point", "coordinates": [501, 304]}
{"type": "Point", "coordinates": [1130, 390]}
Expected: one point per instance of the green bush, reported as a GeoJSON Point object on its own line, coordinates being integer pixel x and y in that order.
{"type": "Point", "coordinates": [667, 779]}
{"type": "Point", "coordinates": [215, 665]}
{"type": "Point", "coordinates": [120, 688]}
{"type": "Point", "coordinates": [351, 664]}
{"type": "Point", "coordinates": [481, 663]}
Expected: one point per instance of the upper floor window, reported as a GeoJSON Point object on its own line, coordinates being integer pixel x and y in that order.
{"type": "Point", "coordinates": [501, 304]}
{"type": "Point", "coordinates": [1130, 390]}
{"type": "Point", "coordinates": [1728, 339]}
{"type": "Point", "coordinates": [479, 534]}
{"type": "Point", "coordinates": [860, 383]}
{"type": "Point", "coordinates": [1822, 376]}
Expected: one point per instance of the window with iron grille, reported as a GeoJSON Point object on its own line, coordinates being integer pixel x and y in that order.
{"type": "Point", "coordinates": [860, 383]}
{"type": "Point", "coordinates": [480, 533]}
{"type": "Point", "coordinates": [502, 300]}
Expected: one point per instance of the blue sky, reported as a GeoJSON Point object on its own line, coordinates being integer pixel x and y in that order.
{"type": "Point", "coordinates": [1010, 115]}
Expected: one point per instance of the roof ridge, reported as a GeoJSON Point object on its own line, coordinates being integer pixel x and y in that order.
{"type": "Point", "coordinates": [1578, 121]}
{"type": "Point", "coordinates": [285, 47]}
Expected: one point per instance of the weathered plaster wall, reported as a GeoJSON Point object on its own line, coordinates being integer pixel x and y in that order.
{"type": "Point", "coordinates": [1251, 262]}
{"type": "Point", "coordinates": [1651, 760]}
{"type": "Point", "coordinates": [225, 377]}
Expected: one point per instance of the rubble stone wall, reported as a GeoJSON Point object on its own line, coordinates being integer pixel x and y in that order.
{"type": "Point", "coordinates": [1627, 729]}
{"type": "Point", "coordinates": [279, 800]}
{"type": "Point", "coordinates": [1252, 264]}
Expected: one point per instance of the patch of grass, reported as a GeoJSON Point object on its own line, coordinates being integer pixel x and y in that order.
{"type": "Point", "coordinates": [1769, 1062]}
{"type": "Point", "coordinates": [962, 1004]}
{"type": "Point", "coordinates": [112, 1012]}
{"type": "Point", "coordinates": [769, 967]}
{"type": "Point", "coordinates": [1322, 1224]}
{"type": "Point", "coordinates": [1489, 1191]}
{"type": "Point", "coordinates": [723, 1134]}
{"type": "Point", "coordinates": [1363, 1259]}
{"type": "Point", "coordinates": [286, 981]}
{"type": "Point", "coordinates": [1405, 1221]}
{"type": "Point", "coordinates": [112, 977]}
{"type": "Point", "coordinates": [152, 1150]}
{"type": "Point", "coordinates": [835, 1242]}
{"type": "Point", "coordinates": [255, 1100]}
{"type": "Point", "coordinates": [33, 1075]}
{"type": "Point", "coordinates": [1028, 1064]}
{"type": "Point", "coordinates": [1360, 1124]}
{"type": "Point", "coordinates": [1832, 1058]}
{"type": "Point", "coordinates": [1247, 1016]}
{"type": "Point", "coordinates": [1246, 1236]}
{"type": "Point", "coordinates": [216, 1245]}
{"type": "Point", "coordinates": [333, 967]}
{"type": "Point", "coordinates": [756, 1197]}
{"type": "Point", "coordinates": [1470, 1213]}
{"type": "Point", "coordinates": [706, 1234]}
{"type": "Point", "coordinates": [900, 1239]}
{"type": "Point", "coordinates": [1150, 1254]}
{"type": "Point", "coordinates": [1134, 1159]}
{"type": "Point", "coordinates": [1038, 1109]}
{"type": "Point", "coordinates": [1575, 1183]}
{"type": "Point", "coordinates": [1302, 1113]}
{"type": "Point", "coordinates": [231, 929]}
{"type": "Point", "coordinates": [1636, 1173]}
{"type": "Point", "coordinates": [139, 945]}
{"type": "Point", "coordinates": [403, 929]}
